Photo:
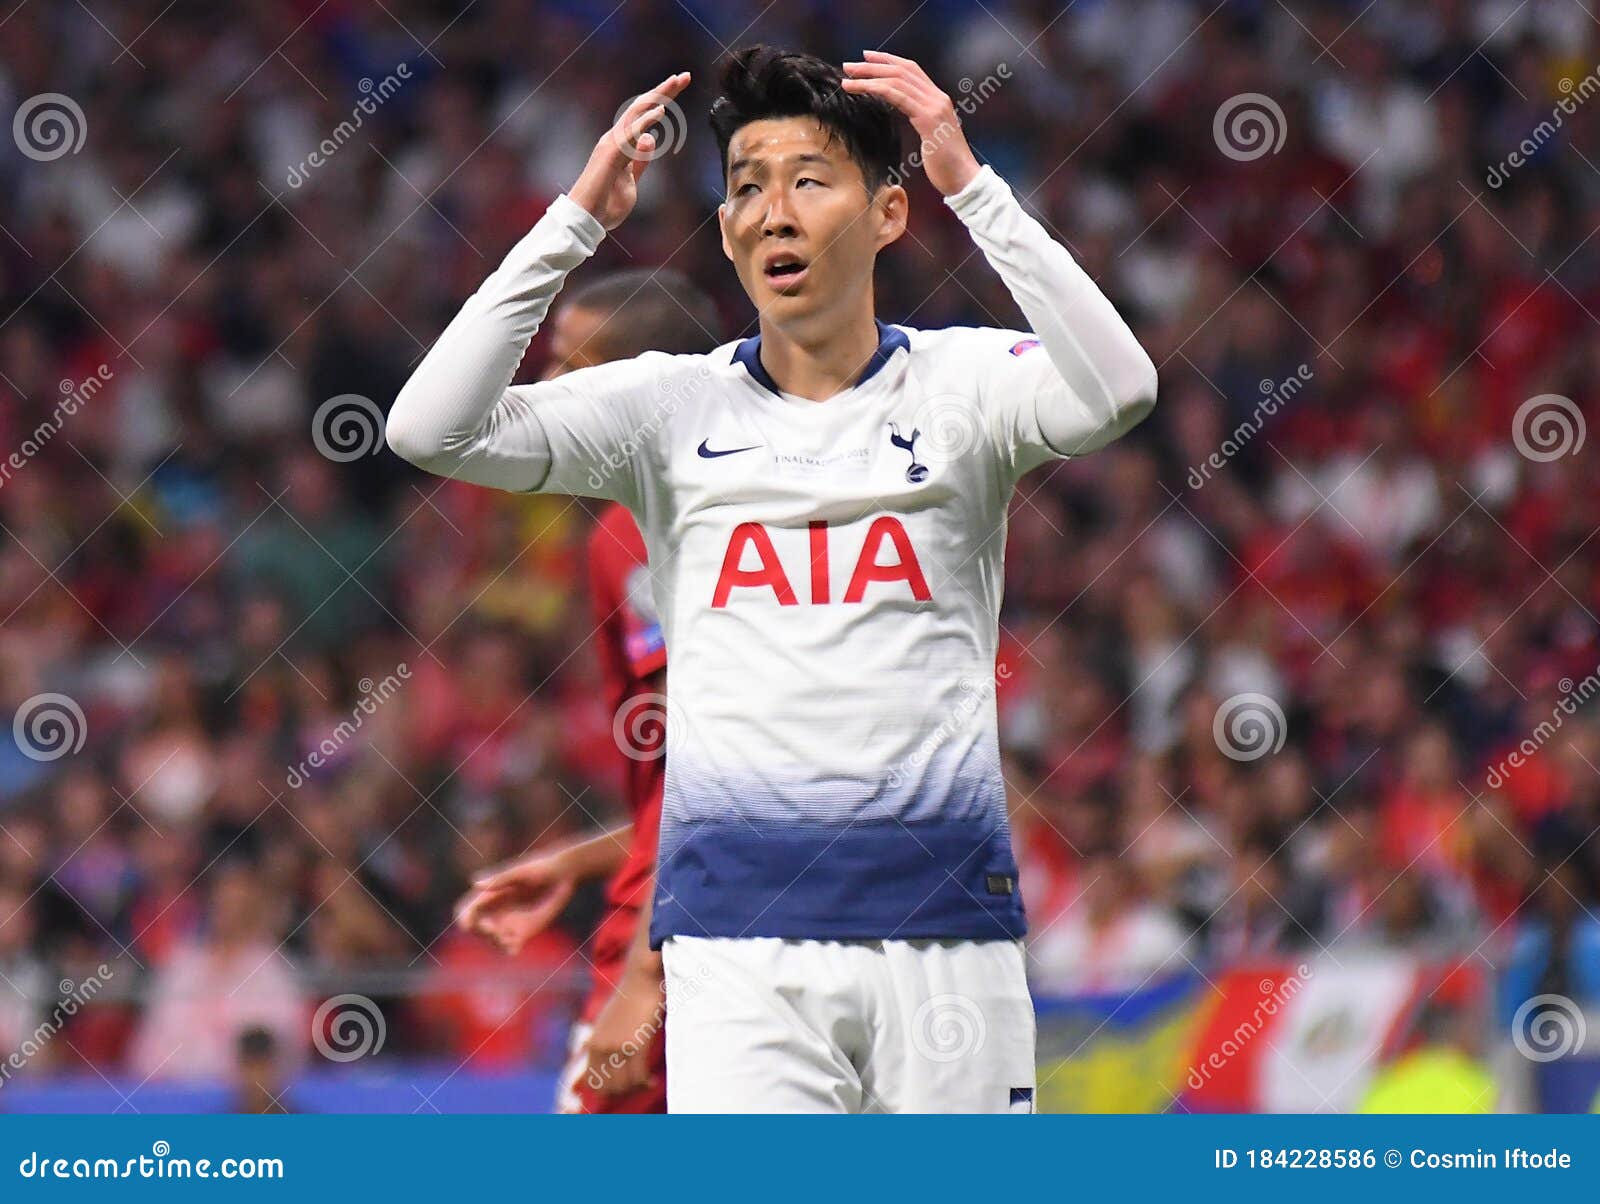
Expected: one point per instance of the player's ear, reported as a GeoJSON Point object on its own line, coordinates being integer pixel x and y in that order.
{"type": "Point", "coordinates": [722, 227]}
{"type": "Point", "coordinates": [893, 207]}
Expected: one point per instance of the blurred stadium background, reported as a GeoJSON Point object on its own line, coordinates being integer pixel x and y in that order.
{"type": "Point", "coordinates": [1293, 680]}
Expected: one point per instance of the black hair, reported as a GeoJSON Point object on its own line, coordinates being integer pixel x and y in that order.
{"type": "Point", "coordinates": [650, 309]}
{"type": "Point", "coordinates": [761, 81]}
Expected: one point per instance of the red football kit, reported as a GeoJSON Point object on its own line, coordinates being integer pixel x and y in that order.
{"type": "Point", "coordinates": [632, 656]}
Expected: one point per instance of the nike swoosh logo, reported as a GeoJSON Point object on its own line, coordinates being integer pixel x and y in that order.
{"type": "Point", "coordinates": [707, 454]}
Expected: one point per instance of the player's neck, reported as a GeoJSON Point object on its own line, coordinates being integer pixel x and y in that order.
{"type": "Point", "coordinates": [818, 360]}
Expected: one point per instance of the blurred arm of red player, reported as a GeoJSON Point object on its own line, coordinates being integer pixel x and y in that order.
{"type": "Point", "coordinates": [619, 1045]}
{"type": "Point", "coordinates": [514, 903]}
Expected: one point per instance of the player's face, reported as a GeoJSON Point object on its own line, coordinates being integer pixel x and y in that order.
{"type": "Point", "coordinates": [798, 223]}
{"type": "Point", "coordinates": [575, 340]}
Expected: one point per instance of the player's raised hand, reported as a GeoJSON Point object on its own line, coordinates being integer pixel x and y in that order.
{"type": "Point", "coordinates": [609, 183]}
{"type": "Point", "coordinates": [512, 905]}
{"type": "Point", "coordinates": [945, 155]}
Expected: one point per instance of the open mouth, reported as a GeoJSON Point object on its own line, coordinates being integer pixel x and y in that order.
{"type": "Point", "coordinates": [785, 272]}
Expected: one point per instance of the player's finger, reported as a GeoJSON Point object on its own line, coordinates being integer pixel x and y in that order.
{"type": "Point", "coordinates": [644, 119]}
{"type": "Point", "coordinates": [882, 89]}
{"type": "Point", "coordinates": [911, 67]}
{"type": "Point", "coordinates": [469, 911]}
{"type": "Point", "coordinates": [656, 96]}
{"type": "Point", "coordinates": [873, 70]}
{"type": "Point", "coordinates": [637, 127]}
{"type": "Point", "coordinates": [544, 911]}
{"type": "Point", "coordinates": [916, 86]}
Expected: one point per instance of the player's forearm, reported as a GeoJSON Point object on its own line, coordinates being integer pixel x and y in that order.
{"type": "Point", "coordinates": [454, 416]}
{"type": "Point", "coordinates": [599, 856]}
{"type": "Point", "coordinates": [1109, 379]}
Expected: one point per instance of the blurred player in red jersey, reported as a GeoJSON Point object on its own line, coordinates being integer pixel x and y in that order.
{"type": "Point", "coordinates": [618, 1061]}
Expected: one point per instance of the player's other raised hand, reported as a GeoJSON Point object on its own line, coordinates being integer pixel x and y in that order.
{"type": "Point", "coordinates": [512, 905]}
{"type": "Point", "coordinates": [945, 155]}
{"type": "Point", "coordinates": [609, 183]}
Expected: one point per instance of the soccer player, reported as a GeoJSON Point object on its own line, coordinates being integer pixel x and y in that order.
{"type": "Point", "coordinates": [824, 506]}
{"type": "Point", "coordinates": [617, 1062]}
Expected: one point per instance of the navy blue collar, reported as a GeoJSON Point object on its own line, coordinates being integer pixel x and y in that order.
{"type": "Point", "coordinates": [890, 340]}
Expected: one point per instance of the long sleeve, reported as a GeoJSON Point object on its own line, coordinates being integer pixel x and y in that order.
{"type": "Point", "coordinates": [1094, 382]}
{"type": "Point", "coordinates": [457, 416]}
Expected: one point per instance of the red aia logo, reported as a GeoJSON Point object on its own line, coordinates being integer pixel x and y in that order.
{"type": "Point", "coordinates": [769, 574]}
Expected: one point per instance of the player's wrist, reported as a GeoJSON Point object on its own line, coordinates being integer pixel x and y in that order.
{"type": "Point", "coordinates": [966, 199]}
{"type": "Point", "coordinates": [643, 977]}
{"type": "Point", "coordinates": [955, 177]}
{"type": "Point", "coordinates": [580, 213]}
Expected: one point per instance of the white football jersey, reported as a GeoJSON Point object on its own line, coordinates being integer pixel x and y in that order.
{"type": "Point", "coordinates": [828, 577]}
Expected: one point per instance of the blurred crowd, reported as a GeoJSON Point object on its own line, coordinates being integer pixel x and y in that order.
{"type": "Point", "coordinates": [1261, 660]}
